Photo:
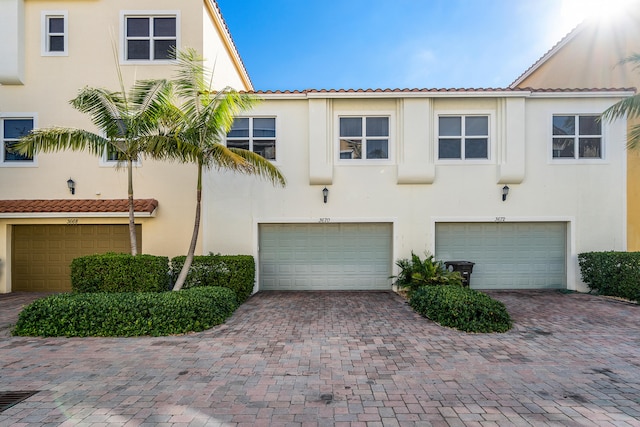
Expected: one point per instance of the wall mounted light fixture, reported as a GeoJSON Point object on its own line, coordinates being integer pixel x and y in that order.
{"type": "Point", "coordinates": [325, 194]}
{"type": "Point", "coordinates": [505, 192]}
{"type": "Point", "coordinates": [72, 185]}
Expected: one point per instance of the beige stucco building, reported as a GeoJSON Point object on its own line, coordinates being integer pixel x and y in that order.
{"type": "Point", "coordinates": [52, 49]}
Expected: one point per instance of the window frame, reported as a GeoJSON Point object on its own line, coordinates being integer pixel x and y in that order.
{"type": "Point", "coordinates": [576, 137]}
{"type": "Point", "coordinates": [251, 138]}
{"type": "Point", "coordinates": [124, 14]}
{"type": "Point", "coordinates": [491, 136]}
{"type": "Point", "coordinates": [23, 163]}
{"type": "Point", "coordinates": [389, 115]}
{"type": "Point", "coordinates": [107, 163]}
{"type": "Point", "coordinates": [45, 16]}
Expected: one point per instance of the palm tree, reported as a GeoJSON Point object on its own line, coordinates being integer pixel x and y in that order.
{"type": "Point", "coordinates": [628, 107]}
{"type": "Point", "coordinates": [128, 124]}
{"type": "Point", "coordinates": [201, 121]}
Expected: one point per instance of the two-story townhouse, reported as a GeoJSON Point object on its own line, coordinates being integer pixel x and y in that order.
{"type": "Point", "coordinates": [50, 50]}
{"type": "Point", "coordinates": [517, 181]}
{"type": "Point", "coordinates": [589, 57]}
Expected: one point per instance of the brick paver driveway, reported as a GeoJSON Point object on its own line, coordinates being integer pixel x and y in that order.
{"type": "Point", "coordinates": [343, 358]}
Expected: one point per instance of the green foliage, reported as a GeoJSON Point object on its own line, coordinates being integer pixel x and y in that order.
{"type": "Point", "coordinates": [612, 273]}
{"type": "Point", "coordinates": [113, 272]}
{"type": "Point", "coordinates": [461, 308]}
{"type": "Point", "coordinates": [126, 314]}
{"type": "Point", "coordinates": [236, 272]}
{"type": "Point", "coordinates": [415, 273]}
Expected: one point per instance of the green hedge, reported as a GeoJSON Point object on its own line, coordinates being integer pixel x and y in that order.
{"type": "Point", "coordinates": [126, 314]}
{"type": "Point", "coordinates": [612, 273]}
{"type": "Point", "coordinates": [113, 272]}
{"type": "Point", "coordinates": [461, 308]}
{"type": "Point", "coordinates": [236, 272]}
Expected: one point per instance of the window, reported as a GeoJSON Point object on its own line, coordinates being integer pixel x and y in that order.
{"type": "Point", "coordinates": [577, 137]}
{"type": "Point", "coordinates": [11, 131]}
{"type": "Point", "coordinates": [257, 134]}
{"type": "Point", "coordinates": [54, 33]}
{"type": "Point", "coordinates": [150, 38]}
{"type": "Point", "coordinates": [112, 157]}
{"type": "Point", "coordinates": [463, 137]}
{"type": "Point", "coordinates": [364, 137]}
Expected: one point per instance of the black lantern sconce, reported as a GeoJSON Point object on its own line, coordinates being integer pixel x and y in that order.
{"type": "Point", "coordinates": [72, 186]}
{"type": "Point", "coordinates": [325, 194]}
{"type": "Point", "coordinates": [505, 192]}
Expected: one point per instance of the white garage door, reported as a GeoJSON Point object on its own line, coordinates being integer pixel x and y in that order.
{"type": "Point", "coordinates": [507, 255]}
{"type": "Point", "coordinates": [346, 256]}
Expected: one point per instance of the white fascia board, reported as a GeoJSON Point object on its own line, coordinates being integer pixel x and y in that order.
{"type": "Point", "coordinates": [595, 94]}
{"type": "Point", "coordinates": [469, 94]}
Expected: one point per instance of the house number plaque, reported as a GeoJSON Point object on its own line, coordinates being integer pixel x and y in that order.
{"type": "Point", "coordinates": [500, 219]}
{"type": "Point", "coordinates": [72, 221]}
{"type": "Point", "coordinates": [325, 220]}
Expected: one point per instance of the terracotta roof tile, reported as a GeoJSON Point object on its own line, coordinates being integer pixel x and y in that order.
{"type": "Point", "coordinates": [76, 206]}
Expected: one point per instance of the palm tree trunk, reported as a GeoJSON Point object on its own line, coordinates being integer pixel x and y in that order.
{"type": "Point", "coordinates": [182, 277]}
{"type": "Point", "coordinates": [132, 221]}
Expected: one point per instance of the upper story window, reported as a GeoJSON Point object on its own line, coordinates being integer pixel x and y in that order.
{"type": "Point", "coordinates": [11, 130]}
{"type": "Point", "coordinates": [364, 137]}
{"type": "Point", "coordinates": [113, 157]}
{"type": "Point", "coordinates": [150, 37]}
{"type": "Point", "coordinates": [577, 137]}
{"type": "Point", "coordinates": [257, 134]}
{"type": "Point", "coordinates": [54, 33]}
{"type": "Point", "coordinates": [463, 137]}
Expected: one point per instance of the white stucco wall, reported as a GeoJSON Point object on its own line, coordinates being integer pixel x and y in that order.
{"type": "Point", "coordinates": [589, 197]}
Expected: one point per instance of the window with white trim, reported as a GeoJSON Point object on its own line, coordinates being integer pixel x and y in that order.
{"type": "Point", "coordinates": [111, 156]}
{"type": "Point", "coordinates": [364, 137]}
{"type": "Point", "coordinates": [463, 137]}
{"type": "Point", "coordinates": [11, 130]}
{"type": "Point", "coordinates": [257, 134]}
{"type": "Point", "coordinates": [577, 136]}
{"type": "Point", "coordinates": [152, 37]}
{"type": "Point", "coordinates": [55, 38]}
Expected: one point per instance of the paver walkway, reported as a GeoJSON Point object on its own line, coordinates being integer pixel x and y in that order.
{"type": "Point", "coordinates": [343, 358]}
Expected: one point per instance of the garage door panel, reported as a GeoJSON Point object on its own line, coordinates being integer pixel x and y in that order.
{"type": "Point", "coordinates": [507, 255]}
{"type": "Point", "coordinates": [325, 256]}
{"type": "Point", "coordinates": [42, 254]}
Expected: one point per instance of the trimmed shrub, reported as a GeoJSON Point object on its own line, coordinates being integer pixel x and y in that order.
{"type": "Point", "coordinates": [461, 308]}
{"type": "Point", "coordinates": [126, 314]}
{"type": "Point", "coordinates": [612, 273]}
{"type": "Point", "coordinates": [113, 272]}
{"type": "Point", "coordinates": [415, 273]}
{"type": "Point", "coordinates": [236, 272]}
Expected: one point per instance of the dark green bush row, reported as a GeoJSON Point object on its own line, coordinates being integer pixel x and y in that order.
{"type": "Point", "coordinates": [126, 314]}
{"type": "Point", "coordinates": [113, 272]}
{"type": "Point", "coordinates": [236, 272]}
{"type": "Point", "coordinates": [612, 273]}
{"type": "Point", "coordinates": [461, 308]}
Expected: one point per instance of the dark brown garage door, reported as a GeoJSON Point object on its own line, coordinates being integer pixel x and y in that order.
{"type": "Point", "coordinates": [42, 254]}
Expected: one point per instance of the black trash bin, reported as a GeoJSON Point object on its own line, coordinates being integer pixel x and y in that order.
{"type": "Point", "coordinates": [465, 268]}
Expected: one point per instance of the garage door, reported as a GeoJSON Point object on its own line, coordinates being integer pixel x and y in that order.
{"type": "Point", "coordinates": [42, 254]}
{"type": "Point", "coordinates": [345, 256]}
{"type": "Point", "coordinates": [507, 255]}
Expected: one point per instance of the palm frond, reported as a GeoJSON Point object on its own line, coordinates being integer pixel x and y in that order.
{"type": "Point", "coordinates": [628, 107]}
{"type": "Point", "coordinates": [633, 138]}
{"type": "Point", "coordinates": [106, 109]}
{"type": "Point", "coordinates": [631, 59]}
{"type": "Point", "coordinates": [260, 166]}
{"type": "Point", "coordinates": [60, 139]}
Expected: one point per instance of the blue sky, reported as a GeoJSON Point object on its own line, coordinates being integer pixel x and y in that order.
{"type": "Point", "coordinates": [334, 44]}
